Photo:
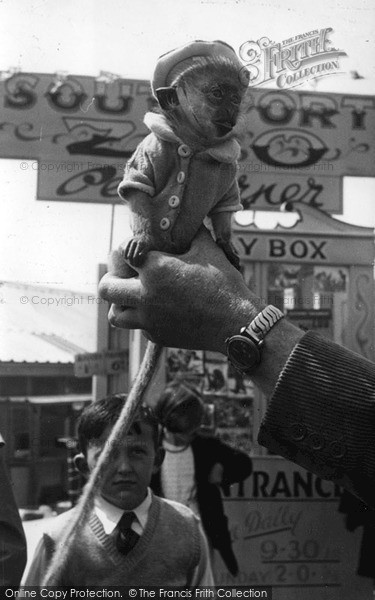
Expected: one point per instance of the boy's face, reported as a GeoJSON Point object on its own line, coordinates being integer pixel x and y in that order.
{"type": "Point", "coordinates": [179, 439]}
{"type": "Point", "coordinates": [129, 473]}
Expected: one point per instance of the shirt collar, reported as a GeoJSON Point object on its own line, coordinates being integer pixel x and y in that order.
{"type": "Point", "coordinates": [109, 514]}
{"type": "Point", "coordinates": [228, 151]}
{"type": "Point", "coordinates": [174, 447]}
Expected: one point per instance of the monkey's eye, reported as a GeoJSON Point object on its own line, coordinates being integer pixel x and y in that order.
{"type": "Point", "coordinates": [216, 93]}
{"type": "Point", "coordinates": [235, 99]}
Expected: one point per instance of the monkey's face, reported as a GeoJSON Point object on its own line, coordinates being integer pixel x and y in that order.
{"type": "Point", "coordinates": [208, 95]}
{"type": "Point", "coordinates": [215, 106]}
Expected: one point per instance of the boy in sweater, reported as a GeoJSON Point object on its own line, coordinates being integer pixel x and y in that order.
{"type": "Point", "coordinates": [131, 536]}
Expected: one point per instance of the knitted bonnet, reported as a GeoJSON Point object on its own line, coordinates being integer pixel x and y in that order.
{"type": "Point", "coordinates": [171, 64]}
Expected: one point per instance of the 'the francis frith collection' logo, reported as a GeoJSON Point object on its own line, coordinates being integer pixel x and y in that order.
{"type": "Point", "coordinates": [292, 61]}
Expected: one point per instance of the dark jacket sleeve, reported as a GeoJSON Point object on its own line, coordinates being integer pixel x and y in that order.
{"type": "Point", "coordinates": [12, 538]}
{"type": "Point", "coordinates": [322, 415]}
{"type": "Point", "coordinates": [237, 465]}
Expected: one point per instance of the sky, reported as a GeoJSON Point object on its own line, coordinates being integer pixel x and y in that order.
{"type": "Point", "coordinates": [61, 243]}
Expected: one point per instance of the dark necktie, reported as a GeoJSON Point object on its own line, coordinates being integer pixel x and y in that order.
{"type": "Point", "coordinates": [126, 538]}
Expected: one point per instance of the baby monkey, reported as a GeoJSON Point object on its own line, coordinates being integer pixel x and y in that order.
{"type": "Point", "coordinates": [185, 169]}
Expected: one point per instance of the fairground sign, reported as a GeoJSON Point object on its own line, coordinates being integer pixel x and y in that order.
{"type": "Point", "coordinates": [78, 132]}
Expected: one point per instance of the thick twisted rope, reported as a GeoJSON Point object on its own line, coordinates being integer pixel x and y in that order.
{"type": "Point", "coordinates": [120, 429]}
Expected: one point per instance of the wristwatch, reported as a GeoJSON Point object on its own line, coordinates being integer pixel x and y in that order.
{"type": "Point", "coordinates": [244, 349]}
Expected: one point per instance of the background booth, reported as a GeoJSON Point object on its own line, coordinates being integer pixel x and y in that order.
{"type": "Point", "coordinates": [287, 530]}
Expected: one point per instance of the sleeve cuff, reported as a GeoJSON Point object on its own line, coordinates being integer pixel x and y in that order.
{"type": "Point", "coordinates": [136, 185]}
{"type": "Point", "coordinates": [321, 414]}
{"type": "Point", "coordinates": [226, 208]}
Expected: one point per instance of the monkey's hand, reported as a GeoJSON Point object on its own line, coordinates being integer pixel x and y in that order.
{"type": "Point", "coordinates": [137, 249]}
{"type": "Point", "coordinates": [230, 252]}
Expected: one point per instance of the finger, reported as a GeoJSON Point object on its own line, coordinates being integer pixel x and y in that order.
{"type": "Point", "coordinates": [125, 250]}
{"type": "Point", "coordinates": [132, 248]}
{"type": "Point", "coordinates": [118, 265]}
{"type": "Point", "coordinates": [124, 245]}
{"type": "Point", "coordinates": [126, 318]}
{"type": "Point", "coordinates": [143, 250]}
{"type": "Point", "coordinates": [124, 292]}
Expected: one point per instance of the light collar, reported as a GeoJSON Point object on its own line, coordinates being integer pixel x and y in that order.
{"type": "Point", "coordinates": [109, 514]}
{"type": "Point", "coordinates": [227, 152]}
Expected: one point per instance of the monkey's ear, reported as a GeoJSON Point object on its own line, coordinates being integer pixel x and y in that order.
{"type": "Point", "coordinates": [167, 97]}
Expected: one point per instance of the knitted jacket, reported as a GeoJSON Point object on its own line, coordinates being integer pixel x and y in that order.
{"type": "Point", "coordinates": [184, 186]}
{"type": "Point", "coordinates": [322, 415]}
{"type": "Point", "coordinates": [167, 552]}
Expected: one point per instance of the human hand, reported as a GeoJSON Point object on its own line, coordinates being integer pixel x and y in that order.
{"type": "Point", "coordinates": [195, 300]}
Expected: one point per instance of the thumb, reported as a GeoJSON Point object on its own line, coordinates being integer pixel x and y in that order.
{"type": "Point", "coordinates": [118, 265]}
{"type": "Point", "coordinates": [124, 292]}
{"type": "Point", "coordinates": [203, 241]}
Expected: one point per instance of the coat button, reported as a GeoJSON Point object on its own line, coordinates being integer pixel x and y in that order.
{"type": "Point", "coordinates": [337, 449]}
{"type": "Point", "coordinates": [174, 201]}
{"type": "Point", "coordinates": [297, 432]}
{"type": "Point", "coordinates": [181, 177]}
{"type": "Point", "coordinates": [184, 150]}
{"type": "Point", "coordinates": [165, 223]}
{"type": "Point", "coordinates": [316, 441]}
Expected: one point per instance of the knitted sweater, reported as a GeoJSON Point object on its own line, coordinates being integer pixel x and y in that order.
{"type": "Point", "coordinates": [167, 553]}
{"type": "Point", "coordinates": [184, 186]}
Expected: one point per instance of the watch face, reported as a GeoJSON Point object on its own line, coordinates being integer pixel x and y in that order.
{"type": "Point", "coordinates": [243, 353]}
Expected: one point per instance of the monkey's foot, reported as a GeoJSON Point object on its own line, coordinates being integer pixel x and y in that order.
{"type": "Point", "coordinates": [230, 252]}
{"type": "Point", "coordinates": [136, 251]}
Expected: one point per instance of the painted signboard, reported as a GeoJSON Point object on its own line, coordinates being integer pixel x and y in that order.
{"type": "Point", "coordinates": [108, 362]}
{"type": "Point", "coordinates": [287, 533]}
{"type": "Point", "coordinates": [315, 238]}
{"type": "Point", "coordinates": [329, 134]}
{"type": "Point", "coordinates": [77, 132]}
{"type": "Point", "coordinates": [268, 190]}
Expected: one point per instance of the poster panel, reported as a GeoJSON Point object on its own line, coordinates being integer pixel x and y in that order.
{"type": "Point", "coordinates": [288, 533]}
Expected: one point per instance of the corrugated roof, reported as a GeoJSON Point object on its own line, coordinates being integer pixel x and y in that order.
{"type": "Point", "coordinates": [40, 324]}
{"type": "Point", "coordinates": [66, 399]}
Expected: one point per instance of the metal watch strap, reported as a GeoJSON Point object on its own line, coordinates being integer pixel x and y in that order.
{"type": "Point", "coordinates": [263, 323]}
